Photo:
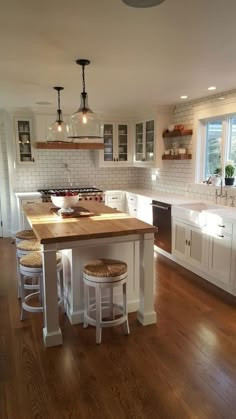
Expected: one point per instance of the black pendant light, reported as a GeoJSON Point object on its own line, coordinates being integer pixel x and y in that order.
{"type": "Point", "coordinates": [143, 3]}
{"type": "Point", "coordinates": [84, 124]}
{"type": "Point", "coordinates": [58, 131]}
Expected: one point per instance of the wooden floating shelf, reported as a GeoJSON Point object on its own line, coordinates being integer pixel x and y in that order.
{"type": "Point", "coordinates": [183, 133]}
{"type": "Point", "coordinates": [177, 157]}
{"type": "Point", "coordinates": [69, 146]}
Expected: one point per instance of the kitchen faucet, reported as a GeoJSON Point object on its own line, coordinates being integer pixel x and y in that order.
{"type": "Point", "coordinates": [69, 174]}
{"type": "Point", "coordinates": [220, 195]}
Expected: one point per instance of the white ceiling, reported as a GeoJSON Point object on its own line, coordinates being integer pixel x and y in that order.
{"type": "Point", "coordinates": [139, 57]}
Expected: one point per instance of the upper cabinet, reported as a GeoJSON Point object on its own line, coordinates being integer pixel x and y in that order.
{"type": "Point", "coordinates": [117, 147]}
{"type": "Point", "coordinates": [145, 141]}
{"type": "Point", "coordinates": [24, 140]}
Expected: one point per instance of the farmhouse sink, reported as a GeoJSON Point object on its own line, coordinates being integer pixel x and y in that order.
{"type": "Point", "coordinates": [200, 206]}
{"type": "Point", "coordinates": [194, 212]}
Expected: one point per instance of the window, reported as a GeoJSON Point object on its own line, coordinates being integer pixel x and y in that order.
{"type": "Point", "coordinates": [220, 144]}
{"type": "Point", "coordinates": [213, 147]}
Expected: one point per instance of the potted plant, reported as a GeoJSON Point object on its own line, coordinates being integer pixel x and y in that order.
{"type": "Point", "coordinates": [229, 173]}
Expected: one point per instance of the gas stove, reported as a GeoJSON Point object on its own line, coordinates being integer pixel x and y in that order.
{"type": "Point", "coordinates": [90, 193]}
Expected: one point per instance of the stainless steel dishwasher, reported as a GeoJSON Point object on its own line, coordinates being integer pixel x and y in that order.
{"type": "Point", "coordinates": [162, 220]}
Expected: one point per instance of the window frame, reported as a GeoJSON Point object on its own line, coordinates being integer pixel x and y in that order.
{"type": "Point", "coordinates": [201, 119]}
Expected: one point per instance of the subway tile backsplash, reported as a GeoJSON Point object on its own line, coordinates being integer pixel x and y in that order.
{"type": "Point", "coordinates": [49, 171]}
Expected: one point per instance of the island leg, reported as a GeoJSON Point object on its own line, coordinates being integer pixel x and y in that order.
{"type": "Point", "coordinates": [146, 314]}
{"type": "Point", "coordinates": [51, 332]}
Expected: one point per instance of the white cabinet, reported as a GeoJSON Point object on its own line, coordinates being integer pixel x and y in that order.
{"type": "Point", "coordinates": [131, 204]}
{"type": "Point", "coordinates": [24, 140]}
{"type": "Point", "coordinates": [115, 199]}
{"type": "Point", "coordinates": [22, 199]}
{"type": "Point", "coordinates": [117, 147]}
{"type": "Point", "coordinates": [220, 253]}
{"type": "Point", "coordinates": [188, 243]}
{"type": "Point", "coordinates": [145, 141]}
{"type": "Point", "coordinates": [144, 209]}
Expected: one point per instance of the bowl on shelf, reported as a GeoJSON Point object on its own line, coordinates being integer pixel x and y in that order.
{"type": "Point", "coordinates": [65, 202]}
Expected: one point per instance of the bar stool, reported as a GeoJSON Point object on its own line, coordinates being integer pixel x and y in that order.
{"type": "Point", "coordinates": [31, 265]}
{"type": "Point", "coordinates": [25, 235]}
{"type": "Point", "coordinates": [23, 248]}
{"type": "Point", "coordinates": [104, 274]}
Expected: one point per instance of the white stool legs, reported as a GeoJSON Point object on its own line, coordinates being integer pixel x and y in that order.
{"type": "Point", "coordinates": [97, 307]}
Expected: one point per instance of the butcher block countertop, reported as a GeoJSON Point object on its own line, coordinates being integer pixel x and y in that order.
{"type": "Point", "coordinates": [106, 222]}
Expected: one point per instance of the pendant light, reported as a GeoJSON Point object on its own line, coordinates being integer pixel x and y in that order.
{"type": "Point", "coordinates": [143, 3]}
{"type": "Point", "coordinates": [84, 125]}
{"type": "Point", "coordinates": [58, 131]}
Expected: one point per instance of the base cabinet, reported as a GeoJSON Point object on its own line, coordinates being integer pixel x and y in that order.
{"type": "Point", "coordinates": [188, 243]}
{"type": "Point", "coordinates": [220, 256]}
{"type": "Point", "coordinates": [211, 251]}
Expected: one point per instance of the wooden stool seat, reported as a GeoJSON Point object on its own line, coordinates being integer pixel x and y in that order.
{"type": "Point", "coordinates": [34, 260]}
{"type": "Point", "coordinates": [29, 245]}
{"type": "Point", "coordinates": [25, 235]}
{"type": "Point", "coordinates": [105, 270]}
{"type": "Point", "coordinates": [104, 274]}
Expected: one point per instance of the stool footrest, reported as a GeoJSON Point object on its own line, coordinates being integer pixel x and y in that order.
{"type": "Point", "coordinates": [106, 323]}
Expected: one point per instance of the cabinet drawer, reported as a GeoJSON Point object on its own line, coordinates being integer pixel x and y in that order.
{"type": "Point", "coordinates": [224, 227]}
{"type": "Point", "coordinates": [115, 198]}
{"type": "Point", "coordinates": [30, 201]}
{"type": "Point", "coordinates": [132, 199]}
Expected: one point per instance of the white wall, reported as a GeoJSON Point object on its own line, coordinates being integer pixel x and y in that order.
{"type": "Point", "coordinates": [49, 171]}
{"type": "Point", "coordinates": [176, 176]}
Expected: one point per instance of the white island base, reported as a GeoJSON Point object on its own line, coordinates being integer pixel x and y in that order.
{"type": "Point", "coordinates": [136, 250]}
{"type": "Point", "coordinates": [123, 249]}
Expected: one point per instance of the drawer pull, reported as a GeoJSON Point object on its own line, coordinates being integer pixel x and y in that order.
{"type": "Point", "coordinates": [186, 242]}
{"type": "Point", "coordinates": [114, 197]}
{"type": "Point", "coordinates": [220, 235]}
{"type": "Point", "coordinates": [220, 225]}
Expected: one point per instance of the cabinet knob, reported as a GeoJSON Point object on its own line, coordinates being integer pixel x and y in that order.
{"type": "Point", "coordinates": [220, 235]}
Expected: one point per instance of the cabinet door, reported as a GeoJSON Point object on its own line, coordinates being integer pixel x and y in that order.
{"type": "Point", "coordinates": [139, 142]}
{"type": "Point", "coordinates": [149, 140]}
{"type": "Point", "coordinates": [196, 247]}
{"type": "Point", "coordinates": [179, 239]}
{"type": "Point", "coordinates": [122, 142]}
{"type": "Point", "coordinates": [108, 153]}
{"type": "Point", "coordinates": [24, 140]}
{"type": "Point", "coordinates": [144, 210]}
{"type": "Point", "coordinates": [220, 257]}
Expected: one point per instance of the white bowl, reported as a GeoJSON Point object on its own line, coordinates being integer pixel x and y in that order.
{"type": "Point", "coordinates": [65, 202]}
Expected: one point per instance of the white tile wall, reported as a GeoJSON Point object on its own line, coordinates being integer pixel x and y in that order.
{"type": "Point", "coordinates": [49, 171]}
{"type": "Point", "coordinates": [174, 176]}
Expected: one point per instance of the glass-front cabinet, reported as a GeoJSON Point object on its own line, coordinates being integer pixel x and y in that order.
{"type": "Point", "coordinates": [24, 140]}
{"type": "Point", "coordinates": [116, 144]}
{"type": "Point", "coordinates": [145, 141]}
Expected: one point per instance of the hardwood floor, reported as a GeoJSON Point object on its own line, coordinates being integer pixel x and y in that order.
{"type": "Point", "coordinates": [183, 367]}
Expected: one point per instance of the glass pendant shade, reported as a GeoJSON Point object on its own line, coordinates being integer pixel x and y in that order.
{"type": "Point", "coordinates": [84, 124]}
{"type": "Point", "coordinates": [58, 132]}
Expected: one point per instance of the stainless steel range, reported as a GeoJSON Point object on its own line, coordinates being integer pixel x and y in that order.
{"type": "Point", "coordinates": [90, 193]}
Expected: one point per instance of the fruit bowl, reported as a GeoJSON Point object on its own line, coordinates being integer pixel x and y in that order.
{"type": "Point", "coordinates": [65, 201]}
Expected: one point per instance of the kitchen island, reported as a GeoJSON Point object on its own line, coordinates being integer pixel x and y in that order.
{"type": "Point", "coordinates": [107, 233]}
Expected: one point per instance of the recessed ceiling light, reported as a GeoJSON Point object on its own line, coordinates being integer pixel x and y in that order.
{"type": "Point", "coordinates": [143, 3]}
{"type": "Point", "coordinates": [43, 103]}
{"type": "Point", "coordinates": [184, 97]}
{"type": "Point", "coordinates": [221, 98]}
{"type": "Point", "coordinates": [212, 88]}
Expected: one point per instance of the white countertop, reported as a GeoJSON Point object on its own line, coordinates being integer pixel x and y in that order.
{"type": "Point", "coordinates": [223, 211]}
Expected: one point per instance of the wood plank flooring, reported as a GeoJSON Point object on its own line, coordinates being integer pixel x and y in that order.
{"type": "Point", "coordinates": [183, 367]}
